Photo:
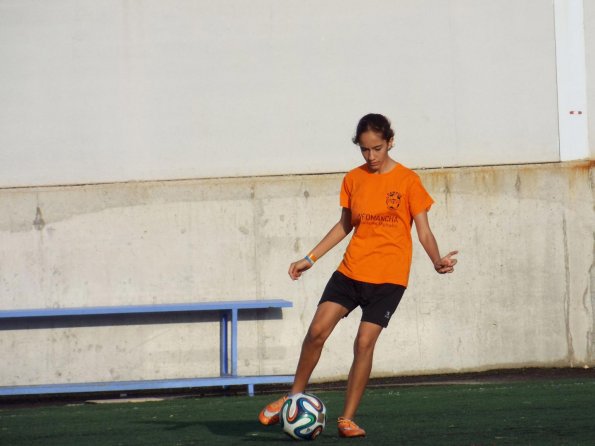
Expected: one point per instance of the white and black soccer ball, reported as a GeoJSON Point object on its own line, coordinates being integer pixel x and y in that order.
{"type": "Point", "coordinates": [303, 416]}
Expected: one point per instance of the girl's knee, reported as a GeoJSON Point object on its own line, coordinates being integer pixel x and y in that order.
{"type": "Point", "coordinates": [316, 335]}
{"type": "Point", "coordinates": [364, 344]}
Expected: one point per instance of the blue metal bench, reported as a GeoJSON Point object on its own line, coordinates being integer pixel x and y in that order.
{"type": "Point", "coordinates": [228, 311]}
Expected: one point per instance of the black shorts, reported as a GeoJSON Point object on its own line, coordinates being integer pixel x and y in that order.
{"type": "Point", "coordinates": [378, 301]}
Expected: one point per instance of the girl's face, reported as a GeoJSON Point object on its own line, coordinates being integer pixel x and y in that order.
{"type": "Point", "coordinates": [375, 151]}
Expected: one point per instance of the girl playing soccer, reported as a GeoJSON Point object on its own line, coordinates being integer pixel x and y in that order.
{"type": "Point", "coordinates": [380, 199]}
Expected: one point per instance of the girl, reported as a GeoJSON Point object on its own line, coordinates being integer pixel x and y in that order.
{"type": "Point", "coordinates": [380, 199]}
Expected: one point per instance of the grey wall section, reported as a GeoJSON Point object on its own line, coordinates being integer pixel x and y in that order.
{"type": "Point", "coordinates": [522, 293]}
{"type": "Point", "coordinates": [116, 91]}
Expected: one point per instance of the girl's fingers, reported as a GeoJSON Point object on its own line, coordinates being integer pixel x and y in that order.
{"type": "Point", "coordinates": [293, 271]}
{"type": "Point", "coordinates": [297, 268]}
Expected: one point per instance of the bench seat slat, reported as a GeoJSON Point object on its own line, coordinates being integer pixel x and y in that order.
{"type": "Point", "coordinates": [146, 309]}
{"type": "Point", "coordinates": [121, 386]}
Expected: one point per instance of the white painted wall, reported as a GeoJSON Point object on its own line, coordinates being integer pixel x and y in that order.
{"type": "Point", "coordinates": [114, 90]}
{"type": "Point", "coordinates": [589, 27]}
{"type": "Point", "coordinates": [522, 294]}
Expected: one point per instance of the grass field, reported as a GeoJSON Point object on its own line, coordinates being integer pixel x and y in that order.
{"type": "Point", "coordinates": [552, 412]}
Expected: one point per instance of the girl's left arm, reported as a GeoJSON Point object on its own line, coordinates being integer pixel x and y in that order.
{"type": "Point", "coordinates": [442, 265]}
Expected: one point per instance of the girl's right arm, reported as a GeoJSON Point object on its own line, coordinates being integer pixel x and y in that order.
{"type": "Point", "coordinates": [337, 233]}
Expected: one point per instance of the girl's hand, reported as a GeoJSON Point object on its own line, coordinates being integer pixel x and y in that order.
{"type": "Point", "coordinates": [446, 264]}
{"type": "Point", "coordinates": [297, 268]}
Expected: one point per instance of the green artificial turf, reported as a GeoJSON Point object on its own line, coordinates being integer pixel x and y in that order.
{"type": "Point", "coordinates": [560, 412]}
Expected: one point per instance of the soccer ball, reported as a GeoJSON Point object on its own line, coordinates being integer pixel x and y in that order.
{"type": "Point", "coordinates": [303, 416]}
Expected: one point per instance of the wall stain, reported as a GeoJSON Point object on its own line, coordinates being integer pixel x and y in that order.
{"type": "Point", "coordinates": [446, 191]}
{"type": "Point", "coordinates": [570, 355]}
{"type": "Point", "coordinates": [590, 309]}
{"type": "Point", "coordinates": [39, 222]}
{"type": "Point", "coordinates": [93, 198]}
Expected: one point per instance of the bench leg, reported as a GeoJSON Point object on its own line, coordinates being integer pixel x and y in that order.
{"type": "Point", "coordinates": [250, 389]}
{"type": "Point", "coordinates": [223, 343]}
{"type": "Point", "coordinates": [234, 342]}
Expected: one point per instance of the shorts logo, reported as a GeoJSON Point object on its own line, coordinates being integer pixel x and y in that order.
{"type": "Point", "coordinates": [387, 315]}
{"type": "Point", "coordinates": [393, 200]}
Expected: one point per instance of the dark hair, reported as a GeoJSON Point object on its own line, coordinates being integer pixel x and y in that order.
{"type": "Point", "coordinates": [375, 122]}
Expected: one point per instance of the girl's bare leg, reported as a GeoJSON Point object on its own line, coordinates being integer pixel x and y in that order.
{"type": "Point", "coordinates": [327, 315]}
{"type": "Point", "coordinates": [363, 353]}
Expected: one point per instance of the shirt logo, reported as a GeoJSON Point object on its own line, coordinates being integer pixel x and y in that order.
{"type": "Point", "coordinates": [387, 315]}
{"type": "Point", "coordinates": [393, 200]}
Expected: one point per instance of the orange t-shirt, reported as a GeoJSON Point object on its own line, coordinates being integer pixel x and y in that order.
{"type": "Point", "coordinates": [382, 209]}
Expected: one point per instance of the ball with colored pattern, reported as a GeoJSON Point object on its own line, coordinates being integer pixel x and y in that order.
{"type": "Point", "coordinates": [303, 416]}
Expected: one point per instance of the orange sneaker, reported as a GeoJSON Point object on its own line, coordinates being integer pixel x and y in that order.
{"type": "Point", "coordinates": [348, 428]}
{"type": "Point", "coordinates": [270, 414]}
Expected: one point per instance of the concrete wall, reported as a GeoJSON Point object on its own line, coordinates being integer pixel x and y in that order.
{"type": "Point", "coordinates": [522, 294]}
{"type": "Point", "coordinates": [148, 90]}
